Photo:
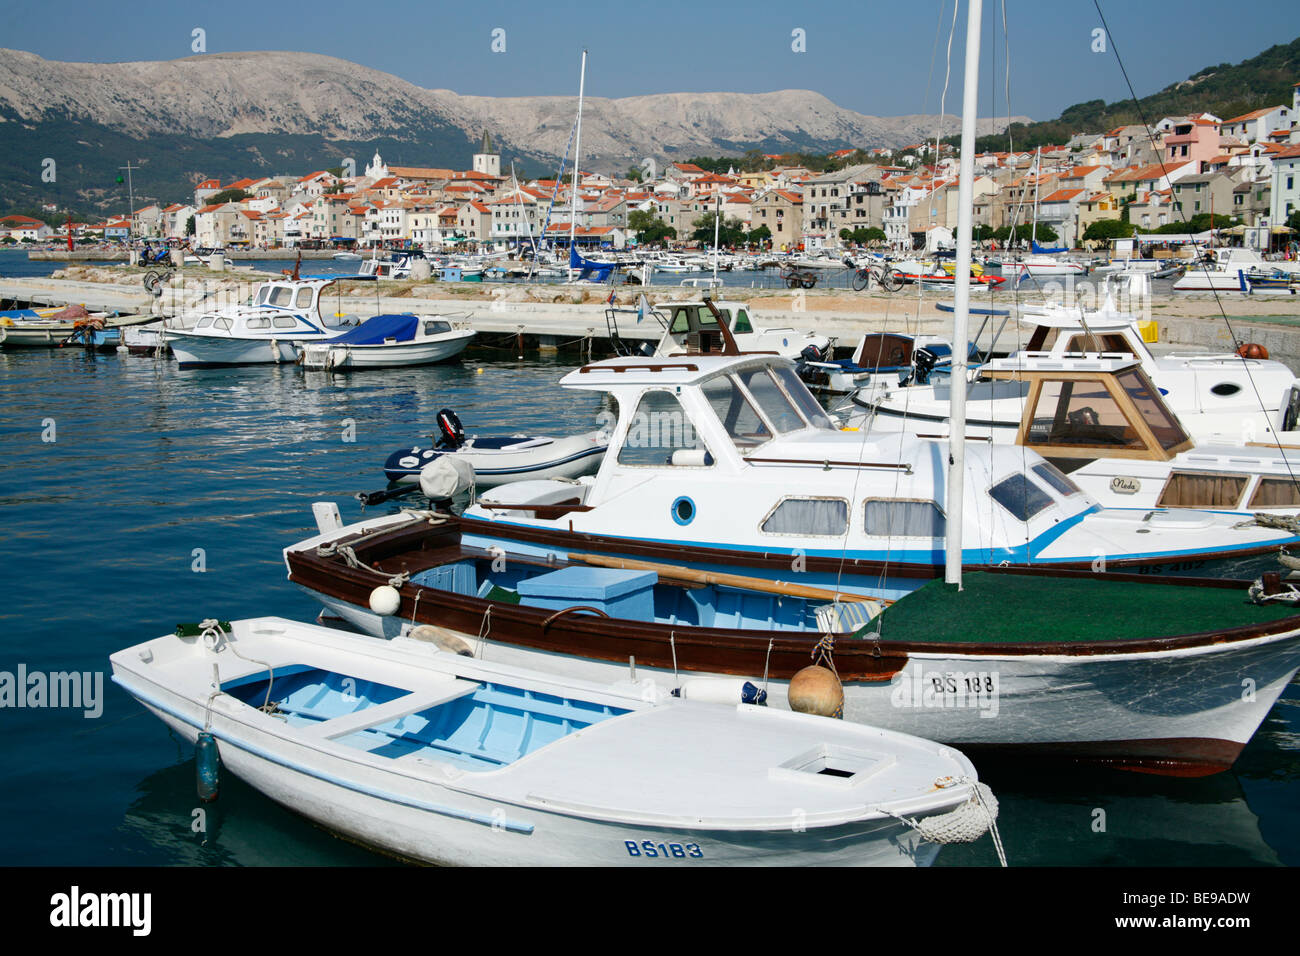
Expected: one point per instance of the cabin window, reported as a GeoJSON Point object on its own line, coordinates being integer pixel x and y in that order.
{"type": "Point", "coordinates": [221, 322]}
{"type": "Point", "coordinates": [741, 421]}
{"type": "Point", "coordinates": [285, 322]}
{"type": "Point", "coordinates": [1099, 343]}
{"type": "Point", "coordinates": [1080, 414]}
{"type": "Point", "coordinates": [1156, 413]}
{"type": "Point", "coordinates": [900, 518]}
{"type": "Point", "coordinates": [258, 322]}
{"type": "Point", "coordinates": [742, 322]}
{"type": "Point", "coordinates": [1224, 389]}
{"type": "Point", "coordinates": [1056, 478]}
{"type": "Point", "coordinates": [660, 434]}
{"type": "Point", "coordinates": [304, 299]}
{"type": "Point", "coordinates": [776, 407]}
{"type": "Point", "coordinates": [281, 296]}
{"type": "Point", "coordinates": [1020, 496]}
{"type": "Point", "coordinates": [808, 516]}
{"type": "Point", "coordinates": [1202, 490]}
{"type": "Point", "coordinates": [262, 293]}
{"type": "Point", "coordinates": [1276, 493]}
{"type": "Point", "coordinates": [799, 394]}
{"type": "Point", "coordinates": [435, 327]}
{"type": "Point", "coordinates": [204, 322]}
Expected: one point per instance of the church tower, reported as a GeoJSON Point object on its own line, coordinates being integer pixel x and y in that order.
{"type": "Point", "coordinates": [487, 160]}
{"type": "Point", "coordinates": [377, 169]}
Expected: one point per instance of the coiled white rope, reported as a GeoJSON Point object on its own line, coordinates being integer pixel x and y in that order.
{"type": "Point", "coordinates": [965, 824]}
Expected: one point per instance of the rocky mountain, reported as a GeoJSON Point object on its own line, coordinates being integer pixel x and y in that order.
{"type": "Point", "coordinates": [227, 114]}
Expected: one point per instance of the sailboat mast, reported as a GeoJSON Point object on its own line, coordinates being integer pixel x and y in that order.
{"type": "Point", "coordinates": [956, 489]}
{"type": "Point", "coordinates": [575, 176]}
{"type": "Point", "coordinates": [1038, 178]}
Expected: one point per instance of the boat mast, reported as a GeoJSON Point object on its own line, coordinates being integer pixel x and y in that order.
{"type": "Point", "coordinates": [1038, 178]}
{"type": "Point", "coordinates": [717, 217]}
{"type": "Point", "coordinates": [961, 311]}
{"type": "Point", "coordinates": [575, 176]}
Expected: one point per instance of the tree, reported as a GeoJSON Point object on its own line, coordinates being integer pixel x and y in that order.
{"type": "Point", "coordinates": [1293, 220]}
{"type": "Point", "coordinates": [1107, 229]}
{"type": "Point", "coordinates": [189, 226]}
{"type": "Point", "coordinates": [634, 173]}
{"type": "Point", "coordinates": [648, 229]}
{"type": "Point", "coordinates": [760, 235]}
{"type": "Point", "coordinates": [227, 195]}
{"type": "Point", "coordinates": [730, 231]}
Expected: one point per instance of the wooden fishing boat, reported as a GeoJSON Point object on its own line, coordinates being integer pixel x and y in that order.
{"type": "Point", "coordinates": [410, 748]}
{"type": "Point", "coordinates": [1127, 670]}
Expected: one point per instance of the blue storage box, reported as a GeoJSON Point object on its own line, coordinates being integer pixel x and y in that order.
{"type": "Point", "coordinates": [619, 593]}
{"type": "Point", "coordinates": [459, 578]}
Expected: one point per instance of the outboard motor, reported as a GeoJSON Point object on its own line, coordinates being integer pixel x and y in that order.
{"type": "Point", "coordinates": [453, 433]}
{"type": "Point", "coordinates": [811, 353]}
{"type": "Point", "coordinates": [924, 361]}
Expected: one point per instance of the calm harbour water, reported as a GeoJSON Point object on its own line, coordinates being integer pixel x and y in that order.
{"type": "Point", "coordinates": [151, 463]}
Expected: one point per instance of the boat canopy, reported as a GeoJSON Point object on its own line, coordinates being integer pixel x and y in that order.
{"type": "Point", "coordinates": [380, 328]}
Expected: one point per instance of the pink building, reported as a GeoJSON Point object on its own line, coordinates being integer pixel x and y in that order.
{"type": "Point", "coordinates": [1192, 140]}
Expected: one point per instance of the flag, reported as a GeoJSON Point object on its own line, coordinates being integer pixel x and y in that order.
{"type": "Point", "coordinates": [642, 307]}
{"type": "Point", "coordinates": [610, 300]}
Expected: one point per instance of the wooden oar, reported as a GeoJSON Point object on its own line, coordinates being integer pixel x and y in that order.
{"type": "Point", "coordinates": [715, 577]}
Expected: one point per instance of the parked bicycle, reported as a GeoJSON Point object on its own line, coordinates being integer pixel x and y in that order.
{"type": "Point", "coordinates": [796, 278]}
{"type": "Point", "coordinates": [889, 279]}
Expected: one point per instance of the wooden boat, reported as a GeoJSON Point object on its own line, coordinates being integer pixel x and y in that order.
{"type": "Point", "coordinates": [1131, 671]}
{"type": "Point", "coordinates": [412, 749]}
{"type": "Point", "coordinates": [51, 328]}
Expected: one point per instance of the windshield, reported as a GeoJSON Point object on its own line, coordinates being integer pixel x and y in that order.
{"type": "Point", "coordinates": [776, 408]}
{"type": "Point", "coordinates": [738, 417]}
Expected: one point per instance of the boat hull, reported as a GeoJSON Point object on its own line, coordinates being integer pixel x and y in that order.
{"type": "Point", "coordinates": [196, 351]}
{"type": "Point", "coordinates": [324, 356]}
{"type": "Point", "coordinates": [1177, 705]}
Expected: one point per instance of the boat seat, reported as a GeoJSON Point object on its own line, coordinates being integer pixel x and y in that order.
{"type": "Point", "coordinates": [395, 709]}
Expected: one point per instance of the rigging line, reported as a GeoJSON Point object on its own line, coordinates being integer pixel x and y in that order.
{"type": "Point", "coordinates": [1178, 206]}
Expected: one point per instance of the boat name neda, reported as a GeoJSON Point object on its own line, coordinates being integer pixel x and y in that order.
{"type": "Point", "coordinates": [942, 689]}
{"type": "Point", "coordinates": [75, 908]}
{"type": "Point", "coordinates": [1125, 486]}
{"type": "Point", "coordinates": [74, 689]}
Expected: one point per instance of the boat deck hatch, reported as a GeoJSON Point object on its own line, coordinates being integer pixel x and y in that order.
{"type": "Point", "coordinates": [832, 766]}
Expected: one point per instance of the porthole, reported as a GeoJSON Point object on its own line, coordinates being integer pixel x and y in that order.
{"type": "Point", "coordinates": [683, 510]}
{"type": "Point", "coordinates": [1226, 388]}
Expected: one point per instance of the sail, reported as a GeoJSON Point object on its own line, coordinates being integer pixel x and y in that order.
{"type": "Point", "coordinates": [590, 268]}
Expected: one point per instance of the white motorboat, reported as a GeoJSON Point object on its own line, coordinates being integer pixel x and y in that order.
{"type": "Point", "coordinates": [347, 256]}
{"type": "Point", "coordinates": [388, 341]}
{"type": "Point", "coordinates": [691, 327]}
{"type": "Point", "coordinates": [1100, 421]}
{"type": "Point", "coordinates": [410, 748]}
{"type": "Point", "coordinates": [282, 314]}
{"type": "Point", "coordinates": [1215, 396]}
{"type": "Point", "coordinates": [724, 459]}
{"type": "Point", "coordinates": [1221, 270]}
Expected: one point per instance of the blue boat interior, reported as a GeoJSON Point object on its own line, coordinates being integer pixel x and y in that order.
{"type": "Point", "coordinates": [488, 726]}
{"type": "Point", "coordinates": [628, 595]}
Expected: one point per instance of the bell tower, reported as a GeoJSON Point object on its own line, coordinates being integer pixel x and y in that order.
{"type": "Point", "coordinates": [487, 160]}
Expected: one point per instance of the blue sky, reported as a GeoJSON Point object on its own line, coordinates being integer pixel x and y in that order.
{"type": "Point", "coordinates": [870, 56]}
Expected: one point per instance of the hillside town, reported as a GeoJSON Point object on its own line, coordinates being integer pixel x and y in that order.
{"type": "Point", "coordinates": [1242, 169]}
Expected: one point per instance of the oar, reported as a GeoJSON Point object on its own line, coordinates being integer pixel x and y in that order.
{"type": "Point", "coordinates": [714, 577]}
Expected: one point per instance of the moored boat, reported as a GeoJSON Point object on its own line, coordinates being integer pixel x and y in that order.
{"type": "Point", "coordinates": [410, 748]}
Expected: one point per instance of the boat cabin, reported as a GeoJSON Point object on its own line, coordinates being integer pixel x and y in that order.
{"type": "Point", "coordinates": [691, 328]}
{"type": "Point", "coordinates": [1083, 407]}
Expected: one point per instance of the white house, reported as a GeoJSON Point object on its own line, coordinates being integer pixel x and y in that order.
{"type": "Point", "coordinates": [1286, 185]}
